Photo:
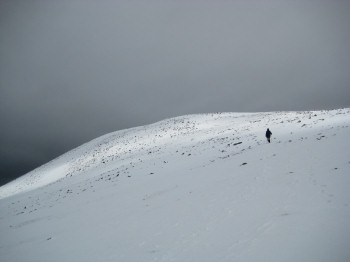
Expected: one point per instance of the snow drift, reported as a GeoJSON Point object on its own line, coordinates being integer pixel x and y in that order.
{"type": "Point", "coordinates": [192, 188]}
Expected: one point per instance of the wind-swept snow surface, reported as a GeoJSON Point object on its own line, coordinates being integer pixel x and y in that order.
{"type": "Point", "coordinates": [192, 188]}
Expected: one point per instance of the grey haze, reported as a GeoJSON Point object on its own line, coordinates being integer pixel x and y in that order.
{"type": "Point", "coordinates": [74, 70]}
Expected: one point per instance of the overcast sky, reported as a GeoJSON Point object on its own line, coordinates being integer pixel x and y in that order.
{"type": "Point", "coordinates": [71, 71]}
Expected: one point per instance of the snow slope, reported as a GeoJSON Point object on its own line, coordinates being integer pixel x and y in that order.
{"type": "Point", "coordinates": [193, 188]}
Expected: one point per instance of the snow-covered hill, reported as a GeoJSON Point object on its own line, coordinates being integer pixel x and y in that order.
{"type": "Point", "coordinates": [193, 188]}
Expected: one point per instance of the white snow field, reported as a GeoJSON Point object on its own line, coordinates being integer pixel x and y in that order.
{"type": "Point", "coordinates": [194, 188]}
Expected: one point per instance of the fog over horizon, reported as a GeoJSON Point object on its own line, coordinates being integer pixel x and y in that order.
{"type": "Point", "coordinates": [71, 71]}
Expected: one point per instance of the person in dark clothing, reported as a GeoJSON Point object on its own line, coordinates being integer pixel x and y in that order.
{"type": "Point", "coordinates": [268, 134]}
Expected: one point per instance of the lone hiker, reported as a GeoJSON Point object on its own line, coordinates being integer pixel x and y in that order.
{"type": "Point", "coordinates": [268, 134]}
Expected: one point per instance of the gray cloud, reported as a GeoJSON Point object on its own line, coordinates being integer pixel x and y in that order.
{"type": "Point", "coordinates": [73, 70]}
